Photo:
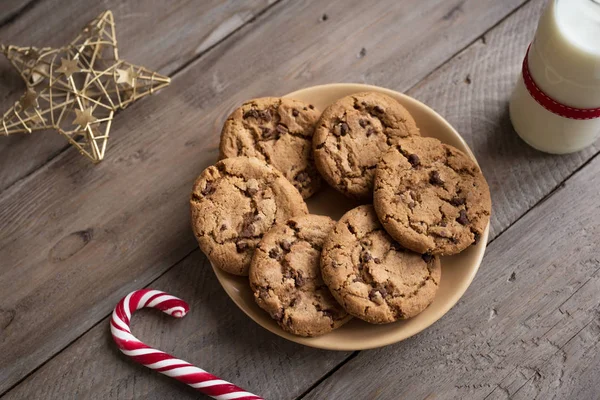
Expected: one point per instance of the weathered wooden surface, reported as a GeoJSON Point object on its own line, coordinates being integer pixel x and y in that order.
{"type": "Point", "coordinates": [161, 35]}
{"type": "Point", "coordinates": [472, 93]}
{"type": "Point", "coordinates": [11, 9]}
{"type": "Point", "coordinates": [529, 326]}
{"type": "Point", "coordinates": [215, 335]}
{"type": "Point", "coordinates": [103, 231]}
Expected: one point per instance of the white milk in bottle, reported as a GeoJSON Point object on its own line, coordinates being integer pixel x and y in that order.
{"type": "Point", "coordinates": [557, 110]}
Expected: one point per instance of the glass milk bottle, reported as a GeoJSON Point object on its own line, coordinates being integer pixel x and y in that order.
{"type": "Point", "coordinates": [555, 106]}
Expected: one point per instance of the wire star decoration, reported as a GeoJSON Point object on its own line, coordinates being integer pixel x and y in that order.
{"type": "Point", "coordinates": [77, 89]}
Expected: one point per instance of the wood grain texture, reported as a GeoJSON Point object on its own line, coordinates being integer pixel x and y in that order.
{"type": "Point", "coordinates": [472, 93]}
{"type": "Point", "coordinates": [10, 9]}
{"type": "Point", "coordinates": [529, 327]}
{"type": "Point", "coordinates": [510, 336]}
{"type": "Point", "coordinates": [215, 335]}
{"type": "Point", "coordinates": [100, 232]}
{"type": "Point", "coordinates": [160, 35]}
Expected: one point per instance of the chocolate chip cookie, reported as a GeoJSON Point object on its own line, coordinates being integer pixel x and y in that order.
{"type": "Point", "coordinates": [371, 275]}
{"type": "Point", "coordinates": [431, 197]}
{"type": "Point", "coordinates": [286, 278]}
{"type": "Point", "coordinates": [278, 131]}
{"type": "Point", "coordinates": [234, 203]}
{"type": "Point", "coordinates": [351, 136]}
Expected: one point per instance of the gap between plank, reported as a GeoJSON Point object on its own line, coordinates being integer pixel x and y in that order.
{"type": "Point", "coordinates": [534, 207]}
{"type": "Point", "coordinates": [173, 74]}
{"type": "Point", "coordinates": [192, 60]}
{"type": "Point", "coordinates": [328, 374]}
{"type": "Point", "coordinates": [17, 14]}
{"type": "Point", "coordinates": [100, 321]}
{"type": "Point", "coordinates": [481, 37]}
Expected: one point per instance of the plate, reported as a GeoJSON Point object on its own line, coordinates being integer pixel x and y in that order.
{"type": "Point", "coordinates": [458, 271]}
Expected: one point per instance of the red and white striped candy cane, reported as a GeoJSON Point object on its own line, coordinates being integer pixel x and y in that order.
{"type": "Point", "coordinates": [160, 361]}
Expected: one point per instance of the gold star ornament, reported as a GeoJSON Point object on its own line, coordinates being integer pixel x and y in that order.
{"type": "Point", "coordinates": [77, 89]}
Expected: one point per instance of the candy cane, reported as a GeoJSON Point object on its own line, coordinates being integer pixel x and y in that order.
{"type": "Point", "coordinates": [160, 361]}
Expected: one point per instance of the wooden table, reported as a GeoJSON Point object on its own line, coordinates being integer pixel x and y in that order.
{"type": "Point", "coordinates": [75, 238]}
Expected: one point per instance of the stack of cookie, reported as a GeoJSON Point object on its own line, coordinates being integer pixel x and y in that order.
{"type": "Point", "coordinates": [379, 262]}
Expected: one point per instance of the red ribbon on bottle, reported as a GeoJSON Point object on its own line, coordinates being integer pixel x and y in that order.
{"type": "Point", "coordinates": [552, 105]}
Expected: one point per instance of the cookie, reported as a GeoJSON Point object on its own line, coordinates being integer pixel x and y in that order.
{"type": "Point", "coordinates": [278, 131]}
{"type": "Point", "coordinates": [234, 203]}
{"type": "Point", "coordinates": [371, 275]}
{"type": "Point", "coordinates": [286, 278]}
{"type": "Point", "coordinates": [351, 136]}
{"type": "Point", "coordinates": [431, 197]}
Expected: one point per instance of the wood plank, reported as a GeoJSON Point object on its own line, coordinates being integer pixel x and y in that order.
{"type": "Point", "coordinates": [511, 335]}
{"type": "Point", "coordinates": [527, 328]}
{"type": "Point", "coordinates": [10, 9]}
{"type": "Point", "coordinates": [472, 93]}
{"type": "Point", "coordinates": [215, 335]}
{"type": "Point", "coordinates": [125, 221]}
{"type": "Point", "coordinates": [160, 35]}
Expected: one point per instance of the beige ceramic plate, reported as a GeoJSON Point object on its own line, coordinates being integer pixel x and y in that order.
{"type": "Point", "coordinates": [457, 271]}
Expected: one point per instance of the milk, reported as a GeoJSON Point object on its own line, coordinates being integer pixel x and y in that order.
{"type": "Point", "coordinates": [564, 62]}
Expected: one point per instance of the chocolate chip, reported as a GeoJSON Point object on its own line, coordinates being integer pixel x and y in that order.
{"type": "Point", "coordinates": [293, 224]}
{"type": "Point", "coordinates": [373, 293]}
{"type": "Point", "coordinates": [370, 131]}
{"type": "Point", "coordinates": [435, 179]}
{"type": "Point", "coordinates": [278, 315]}
{"type": "Point", "coordinates": [462, 217]}
{"type": "Point", "coordinates": [241, 246]}
{"type": "Point", "coordinates": [427, 258]}
{"type": "Point", "coordinates": [295, 113]}
{"type": "Point", "coordinates": [356, 107]}
{"type": "Point", "coordinates": [286, 245]}
{"type": "Point", "coordinates": [366, 257]}
{"type": "Point", "coordinates": [351, 228]}
{"type": "Point", "coordinates": [251, 114]}
{"type": "Point", "coordinates": [343, 128]}
{"type": "Point", "coordinates": [377, 260]}
{"type": "Point", "coordinates": [477, 237]}
{"type": "Point", "coordinates": [299, 280]}
{"type": "Point", "coordinates": [302, 177]}
{"type": "Point", "coordinates": [396, 247]}
{"type": "Point", "coordinates": [223, 227]}
{"type": "Point", "coordinates": [247, 231]}
{"type": "Point", "coordinates": [265, 115]}
{"type": "Point", "coordinates": [282, 129]}
{"type": "Point", "coordinates": [311, 106]}
{"type": "Point", "coordinates": [363, 103]}
{"type": "Point", "coordinates": [414, 160]}
{"type": "Point", "coordinates": [363, 123]}
{"type": "Point", "coordinates": [208, 189]}
{"type": "Point", "coordinates": [248, 228]}
{"type": "Point", "coordinates": [275, 253]}
{"type": "Point", "coordinates": [458, 201]}
{"type": "Point", "coordinates": [378, 109]}
{"type": "Point", "coordinates": [268, 133]}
